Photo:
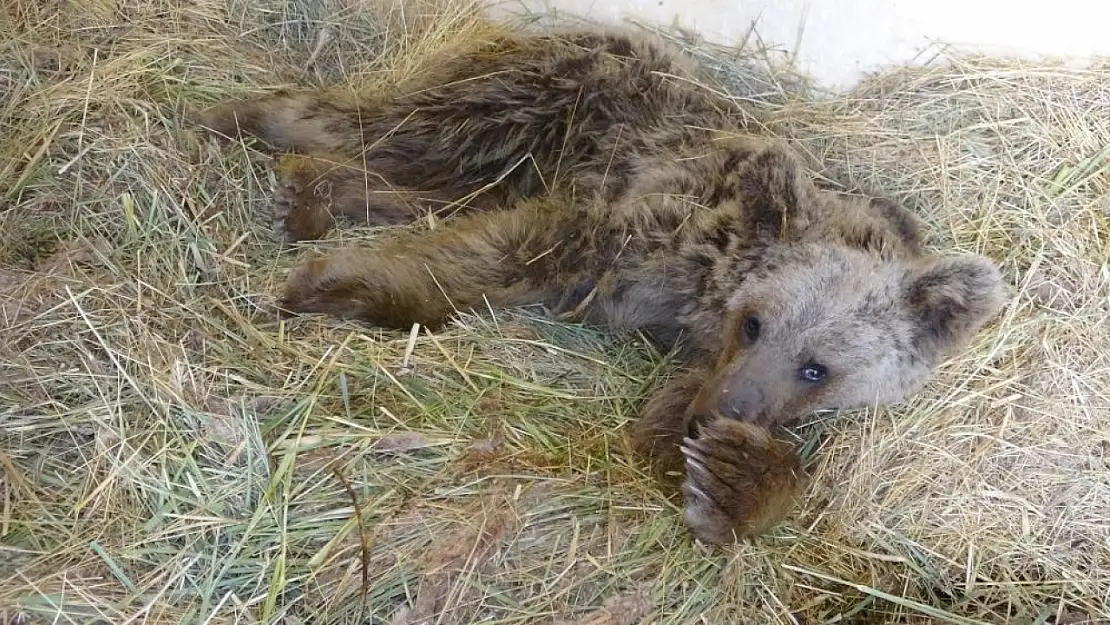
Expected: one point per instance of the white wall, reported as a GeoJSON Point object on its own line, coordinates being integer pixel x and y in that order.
{"type": "Point", "coordinates": [836, 40]}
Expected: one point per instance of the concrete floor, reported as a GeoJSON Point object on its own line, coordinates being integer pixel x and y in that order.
{"type": "Point", "coordinates": [838, 41]}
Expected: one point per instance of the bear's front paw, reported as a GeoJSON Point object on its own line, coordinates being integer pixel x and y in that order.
{"type": "Point", "coordinates": [739, 480]}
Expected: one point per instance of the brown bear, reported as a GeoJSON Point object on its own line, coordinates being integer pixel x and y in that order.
{"type": "Point", "coordinates": [587, 171]}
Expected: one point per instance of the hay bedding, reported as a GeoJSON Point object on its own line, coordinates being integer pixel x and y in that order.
{"type": "Point", "coordinates": [169, 452]}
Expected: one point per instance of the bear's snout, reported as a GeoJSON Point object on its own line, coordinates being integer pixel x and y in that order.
{"type": "Point", "coordinates": [741, 399]}
{"type": "Point", "coordinates": [732, 396]}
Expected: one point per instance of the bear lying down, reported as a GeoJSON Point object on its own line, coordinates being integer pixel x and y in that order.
{"type": "Point", "coordinates": [584, 171]}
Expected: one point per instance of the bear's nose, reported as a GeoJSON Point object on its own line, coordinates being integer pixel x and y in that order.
{"type": "Point", "coordinates": [742, 400]}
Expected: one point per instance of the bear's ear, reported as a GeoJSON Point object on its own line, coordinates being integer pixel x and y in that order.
{"type": "Point", "coordinates": [776, 194]}
{"type": "Point", "coordinates": [952, 298]}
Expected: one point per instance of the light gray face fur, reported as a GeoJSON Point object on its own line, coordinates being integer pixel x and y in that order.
{"type": "Point", "coordinates": [875, 329]}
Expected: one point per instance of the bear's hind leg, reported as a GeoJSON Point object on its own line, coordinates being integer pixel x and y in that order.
{"type": "Point", "coordinates": [316, 190]}
{"type": "Point", "coordinates": [301, 121]}
{"type": "Point", "coordinates": [501, 259]}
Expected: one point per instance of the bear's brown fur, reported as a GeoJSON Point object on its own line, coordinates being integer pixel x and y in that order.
{"type": "Point", "coordinates": [589, 174]}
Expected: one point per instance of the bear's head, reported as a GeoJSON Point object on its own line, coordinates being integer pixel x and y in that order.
{"type": "Point", "coordinates": [843, 310]}
{"type": "Point", "coordinates": [830, 327]}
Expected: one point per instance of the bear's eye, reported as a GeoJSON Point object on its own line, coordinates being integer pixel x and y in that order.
{"type": "Point", "coordinates": [813, 373]}
{"type": "Point", "coordinates": [751, 328]}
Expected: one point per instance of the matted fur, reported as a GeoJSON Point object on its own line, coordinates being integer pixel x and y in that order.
{"type": "Point", "coordinates": [589, 176]}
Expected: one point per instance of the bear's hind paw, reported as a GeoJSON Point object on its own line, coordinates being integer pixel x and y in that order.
{"type": "Point", "coordinates": [302, 200]}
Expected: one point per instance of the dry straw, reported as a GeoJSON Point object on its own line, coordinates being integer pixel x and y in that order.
{"type": "Point", "coordinates": [169, 452]}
